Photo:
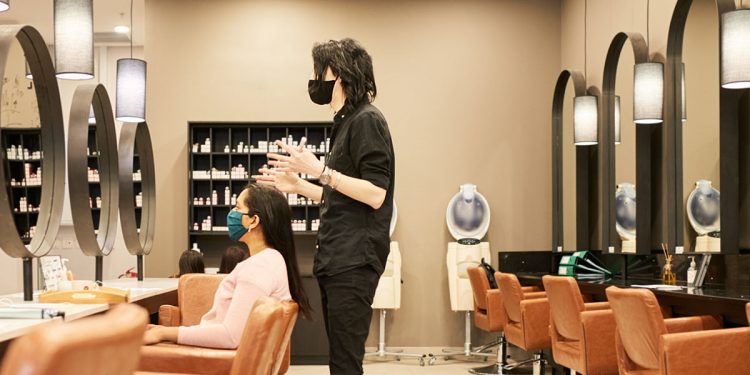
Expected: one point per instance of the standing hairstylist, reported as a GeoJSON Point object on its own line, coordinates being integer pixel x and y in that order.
{"type": "Point", "coordinates": [356, 197]}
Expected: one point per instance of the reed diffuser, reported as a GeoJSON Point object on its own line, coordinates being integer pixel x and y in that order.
{"type": "Point", "coordinates": [667, 276]}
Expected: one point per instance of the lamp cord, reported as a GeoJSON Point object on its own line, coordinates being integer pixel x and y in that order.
{"type": "Point", "coordinates": [131, 29]}
{"type": "Point", "coordinates": [585, 38]}
{"type": "Point", "coordinates": [648, 24]}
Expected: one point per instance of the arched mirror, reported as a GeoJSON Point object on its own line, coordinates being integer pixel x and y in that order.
{"type": "Point", "coordinates": [569, 150]}
{"type": "Point", "coordinates": [700, 128]}
{"type": "Point", "coordinates": [21, 140]}
{"type": "Point", "coordinates": [625, 155]}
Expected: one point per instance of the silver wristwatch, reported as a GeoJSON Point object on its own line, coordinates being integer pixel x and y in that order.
{"type": "Point", "coordinates": [325, 177]}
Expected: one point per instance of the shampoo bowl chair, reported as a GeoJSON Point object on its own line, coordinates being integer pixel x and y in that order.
{"type": "Point", "coordinates": [648, 344]}
{"type": "Point", "coordinates": [582, 334]}
{"type": "Point", "coordinates": [261, 350]}
{"type": "Point", "coordinates": [104, 344]}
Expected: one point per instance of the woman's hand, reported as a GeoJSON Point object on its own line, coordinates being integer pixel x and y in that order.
{"type": "Point", "coordinates": [300, 160]}
{"type": "Point", "coordinates": [285, 182]}
{"type": "Point", "coordinates": [153, 335]}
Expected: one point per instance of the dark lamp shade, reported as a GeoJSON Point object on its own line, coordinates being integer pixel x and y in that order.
{"type": "Point", "coordinates": [648, 93]}
{"type": "Point", "coordinates": [585, 120]}
{"type": "Point", "coordinates": [131, 90]}
{"type": "Point", "coordinates": [74, 39]}
{"type": "Point", "coordinates": [735, 49]}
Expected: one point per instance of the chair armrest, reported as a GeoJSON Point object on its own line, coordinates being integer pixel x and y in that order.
{"type": "Point", "coordinates": [169, 316]}
{"type": "Point", "coordinates": [535, 295]}
{"type": "Point", "coordinates": [535, 317]}
{"type": "Point", "coordinates": [529, 289]}
{"type": "Point", "coordinates": [186, 359]}
{"type": "Point", "coordinates": [598, 341]}
{"type": "Point", "coordinates": [691, 323]}
{"type": "Point", "coordinates": [495, 309]}
{"type": "Point", "coordinates": [593, 306]}
{"type": "Point", "coordinates": [720, 351]}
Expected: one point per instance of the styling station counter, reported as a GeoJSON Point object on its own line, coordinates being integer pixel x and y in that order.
{"type": "Point", "coordinates": [149, 293]}
{"type": "Point", "coordinates": [724, 293]}
{"type": "Point", "coordinates": [727, 302]}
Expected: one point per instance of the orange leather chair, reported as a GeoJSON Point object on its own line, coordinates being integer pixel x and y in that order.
{"type": "Point", "coordinates": [261, 351]}
{"type": "Point", "coordinates": [528, 319]}
{"type": "Point", "coordinates": [642, 334]}
{"type": "Point", "coordinates": [195, 296]}
{"type": "Point", "coordinates": [583, 334]}
{"type": "Point", "coordinates": [104, 344]}
{"type": "Point", "coordinates": [489, 316]}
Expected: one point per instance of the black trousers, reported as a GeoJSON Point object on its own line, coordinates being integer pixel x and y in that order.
{"type": "Point", "coordinates": [347, 311]}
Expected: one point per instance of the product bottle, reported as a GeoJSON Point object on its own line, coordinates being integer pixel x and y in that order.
{"type": "Point", "coordinates": [195, 247]}
{"type": "Point", "coordinates": [226, 196]}
{"type": "Point", "coordinates": [692, 271]}
{"type": "Point", "coordinates": [214, 198]}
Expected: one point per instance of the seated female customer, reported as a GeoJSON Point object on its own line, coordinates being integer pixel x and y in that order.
{"type": "Point", "coordinates": [191, 261]}
{"type": "Point", "coordinates": [262, 220]}
{"type": "Point", "coordinates": [232, 255]}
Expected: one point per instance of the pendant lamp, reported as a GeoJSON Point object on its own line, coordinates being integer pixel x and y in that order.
{"type": "Point", "coordinates": [4, 5]}
{"type": "Point", "coordinates": [735, 49]}
{"type": "Point", "coordinates": [648, 93]}
{"type": "Point", "coordinates": [684, 101]}
{"type": "Point", "coordinates": [585, 107]}
{"type": "Point", "coordinates": [617, 119]}
{"type": "Point", "coordinates": [131, 85]}
{"type": "Point", "coordinates": [74, 39]}
{"type": "Point", "coordinates": [585, 120]}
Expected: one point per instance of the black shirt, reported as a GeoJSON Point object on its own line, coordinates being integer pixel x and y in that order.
{"type": "Point", "coordinates": [351, 233]}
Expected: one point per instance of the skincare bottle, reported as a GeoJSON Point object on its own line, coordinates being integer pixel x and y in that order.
{"type": "Point", "coordinates": [233, 200]}
{"type": "Point", "coordinates": [214, 198]}
{"type": "Point", "coordinates": [226, 195]}
{"type": "Point", "coordinates": [692, 271]}
{"type": "Point", "coordinates": [195, 247]}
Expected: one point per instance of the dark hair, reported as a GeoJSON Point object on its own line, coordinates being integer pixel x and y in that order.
{"type": "Point", "coordinates": [349, 61]}
{"type": "Point", "coordinates": [276, 224]}
{"type": "Point", "coordinates": [232, 255]}
{"type": "Point", "coordinates": [191, 261]}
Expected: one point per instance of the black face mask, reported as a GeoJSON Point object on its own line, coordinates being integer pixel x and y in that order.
{"type": "Point", "coordinates": [320, 92]}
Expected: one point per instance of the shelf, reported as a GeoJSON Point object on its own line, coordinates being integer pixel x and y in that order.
{"type": "Point", "coordinates": [24, 160]}
{"type": "Point", "coordinates": [25, 213]}
{"type": "Point", "coordinates": [250, 133]}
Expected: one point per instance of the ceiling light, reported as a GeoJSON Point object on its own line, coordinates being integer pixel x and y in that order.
{"type": "Point", "coordinates": [735, 49]}
{"type": "Point", "coordinates": [74, 39]}
{"type": "Point", "coordinates": [122, 29]}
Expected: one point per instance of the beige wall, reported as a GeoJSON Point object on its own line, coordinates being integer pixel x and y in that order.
{"type": "Point", "coordinates": [701, 134]}
{"type": "Point", "coordinates": [464, 85]}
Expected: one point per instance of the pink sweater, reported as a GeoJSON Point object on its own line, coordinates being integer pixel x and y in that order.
{"type": "Point", "coordinates": [263, 274]}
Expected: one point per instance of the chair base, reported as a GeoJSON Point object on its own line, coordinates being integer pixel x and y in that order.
{"type": "Point", "coordinates": [468, 352]}
{"type": "Point", "coordinates": [538, 362]}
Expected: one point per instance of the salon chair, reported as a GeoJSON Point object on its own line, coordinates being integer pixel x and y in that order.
{"type": "Point", "coordinates": [104, 344]}
{"type": "Point", "coordinates": [262, 349]}
{"type": "Point", "coordinates": [195, 296]}
{"type": "Point", "coordinates": [489, 316]}
{"type": "Point", "coordinates": [582, 334]}
{"type": "Point", "coordinates": [388, 297]}
{"type": "Point", "coordinates": [528, 320]}
{"type": "Point", "coordinates": [648, 344]}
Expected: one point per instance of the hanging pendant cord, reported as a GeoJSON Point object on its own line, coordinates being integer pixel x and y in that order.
{"type": "Point", "coordinates": [648, 24]}
{"type": "Point", "coordinates": [131, 29]}
{"type": "Point", "coordinates": [585, 38]}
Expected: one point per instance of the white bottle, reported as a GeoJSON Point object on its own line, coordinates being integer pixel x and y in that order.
{"type": "Point", "coordinates": [195, 247]}
{"type": "Point", "coordinates": [214, 198]}
{"type": "Point", "coordinates": [226, 195]}
{"type": "Point", "coordinates": [233, 200]}
{"type": "Point", "coordinates": [691, 273]}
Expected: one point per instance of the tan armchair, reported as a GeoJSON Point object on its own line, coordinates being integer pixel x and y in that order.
{"type": "Point", "coordinates": [528, 319]}
{"type": "Point", "coordinates": [643, 335]}
{"type": "Point", "coordinates": [583, 334]}
{"type": "Point", "coordinates": [262, 349]}
{"type": "Point", "coordinates": [195, 296]}
{"type": "Point", "coordinates": [104, 344]}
